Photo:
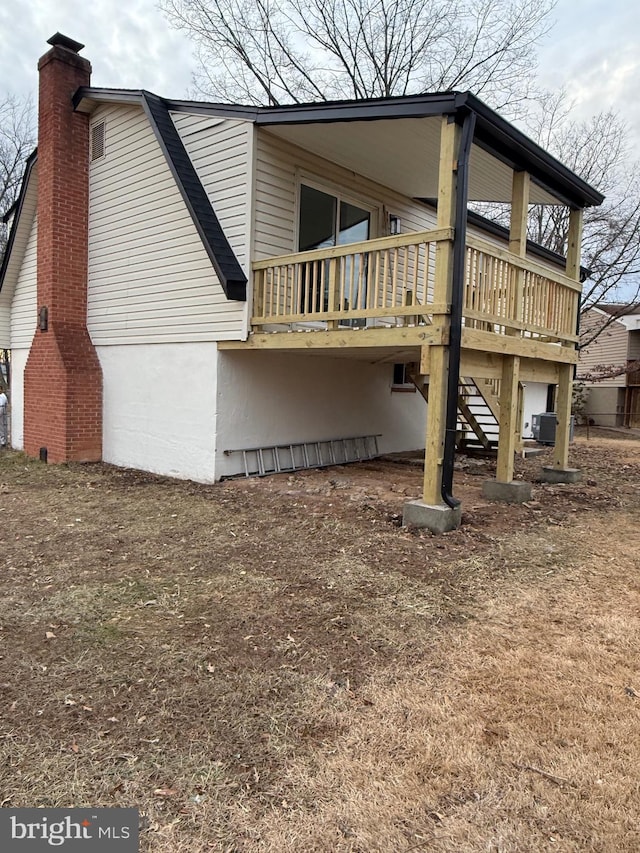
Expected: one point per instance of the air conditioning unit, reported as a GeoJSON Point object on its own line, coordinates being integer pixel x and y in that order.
{"type": "Point", "coordinates": [543, 427]}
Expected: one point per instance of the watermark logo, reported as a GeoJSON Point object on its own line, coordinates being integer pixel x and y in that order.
{"type": "Point", "coordinates": [69, 830]}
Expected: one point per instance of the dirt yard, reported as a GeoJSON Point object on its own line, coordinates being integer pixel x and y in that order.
{"type": "Point", "coordinates": [277, 665]}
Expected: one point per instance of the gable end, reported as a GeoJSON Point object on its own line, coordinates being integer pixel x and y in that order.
{"type": "Point", "coordinates": [225, 263]}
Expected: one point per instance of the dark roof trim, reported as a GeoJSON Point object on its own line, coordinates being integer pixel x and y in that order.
{"type": "Point", "coordinates": [225, 263]}
{"type": "Point", "coordinates": [506, 141]}
{"type": "Point", "coordinates": [16, 209]}
{"type": "Point", "coordinates": [493, 133]}
{"type": "Point", "coordinates": [135, 96]}
{"type": "Point", "coordinates": [412, 106]}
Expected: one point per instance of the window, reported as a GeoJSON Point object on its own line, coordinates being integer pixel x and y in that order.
{"type": "Point", "coordinates": [401, 380]}
{"type": "Point", "coordinates": [326, 220]}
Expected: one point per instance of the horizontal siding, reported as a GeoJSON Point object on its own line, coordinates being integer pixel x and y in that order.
{"type": "Point", "coordinates": [634, 345]}
{"type": "Point", "coordinates": [150, 278]}
{"type": "Point", "coordinates": [5, 318]}
{"type": "Point", "coordinates": [609, 348]}
{"type": "Point", "coordinates": [219, 151]}
{"type": "Point", "coordinates": [278, 165]}
{"type": "Point", "coordinates": [21, 231]}
{"type": "Point", "coordinates": [24, 307]}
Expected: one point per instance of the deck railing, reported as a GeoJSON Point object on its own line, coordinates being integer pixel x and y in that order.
{"type": "Point", "coordinates": [390, 282]}
{"type": "Point", "coordinates": [511, 295]}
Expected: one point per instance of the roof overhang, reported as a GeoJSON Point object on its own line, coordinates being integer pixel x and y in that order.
{"type": "Point", "coordinates": [403, 153]}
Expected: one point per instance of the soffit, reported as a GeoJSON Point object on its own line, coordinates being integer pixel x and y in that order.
{"type": "Point", "coordinates": [403, 154]}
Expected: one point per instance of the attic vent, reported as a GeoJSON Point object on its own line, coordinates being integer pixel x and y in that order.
{"type": "Point", "coordinates": [97, 141]}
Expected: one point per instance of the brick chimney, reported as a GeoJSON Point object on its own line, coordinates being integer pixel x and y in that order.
{"type": "Point", "coordinates": [63, 379]}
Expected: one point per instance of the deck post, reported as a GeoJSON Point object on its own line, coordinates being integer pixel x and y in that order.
{"type": "Point", "coordinates": [559, 471]}
{"type": "Point", "coordinates": [432, 512]}
{"type": "Point", "coordinates": [518, 236]}
{"type": "Point", "coordinates": [439, 355]}
{"type": "Point", "coordinates": [504, 488]}
{"type": "Point", "coordinates": [508, 417]}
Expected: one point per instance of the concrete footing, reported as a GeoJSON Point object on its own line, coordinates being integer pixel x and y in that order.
{"type": "Point", "coordinates": [515, 492]}
{"type": "Point", "coordinates": [560, 475]}
{"type": "Point", "coordinates": [437, 519]}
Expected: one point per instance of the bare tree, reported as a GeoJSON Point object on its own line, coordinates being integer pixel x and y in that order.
{"type": "Point", "coordinates": [17, 139]}
{"type": "Point", "coordinates": [599, 151]}
{"type": "Point", "coordinates": [290, 51]}
{"type": "Point", "coordinates": [16, 142]}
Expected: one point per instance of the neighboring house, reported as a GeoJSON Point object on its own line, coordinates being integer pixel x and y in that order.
{"type": "Point", "coordinates": [185, 281]}
{"type": "Point", "coordinates": [613, 400]}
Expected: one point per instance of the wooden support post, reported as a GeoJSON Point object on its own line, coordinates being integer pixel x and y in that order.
{"type": "Point", "coordinates": [508, 418]}
{"type": "Point", "coordinates": [563, 414]}
{"type": "Point", "coordinates": [574, 241]}
{"type": "Point", "coordinates": [520, 418]}
{"type": "Point", "coordinates": [519, 212]}
{"type": "Point", "coordinates": [518, 238]}
{"type": "Point", "coordinates": [439, 355]}
{"type": "Point", "coordinates": [436, 412]}
{"type": "Point", "coordinates": [565, 371]}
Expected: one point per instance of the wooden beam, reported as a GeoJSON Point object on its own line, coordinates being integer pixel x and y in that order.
{"type": "Point", "coordinates": [430, 309]}
{"type": "Point", "coordinates": [413, 372]}
{"type": "Point", "coordinates": [563, 428]}
{"type": "Point", "coordinates": [401, 336]}
{"type": "Point", "coordinates": [408, 239]}
{"type": "Point", "coordinates": [488, 365]}
{"type": "Point", "coordinates": [509, 430]}
{"type": "Point", "coordinates": [491, 342]}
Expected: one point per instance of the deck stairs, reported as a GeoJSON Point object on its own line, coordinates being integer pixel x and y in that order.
{"type": "Point", "coordinates": [478, 415]}
{"type": "Point", "coordinates": [478, 410]}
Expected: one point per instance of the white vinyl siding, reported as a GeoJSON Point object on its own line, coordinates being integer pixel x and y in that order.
{"type": "Point", "coordinates": [279, 168]}
{"type": "Point", "coordinates": [609, 349]}
{"type": "Point", "coordinates": [220, 152]}
{"type": "Point", "coordinates": [23, 236]}
{"type": "Point", "coordinates": [24, 306]}
{"type": "Point", "coordinates": [150, 278]}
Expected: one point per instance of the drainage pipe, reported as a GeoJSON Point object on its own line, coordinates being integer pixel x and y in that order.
{"type": "Point", "coordinates": [455, 332]}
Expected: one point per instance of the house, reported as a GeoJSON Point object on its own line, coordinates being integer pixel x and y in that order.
{"type": "Point", "coordinates": [610, 365]}
{"type": "Point", "coordinates": [189, 285]}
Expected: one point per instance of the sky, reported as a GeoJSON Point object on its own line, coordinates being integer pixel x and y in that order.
{"type": "Point", "coordinates": [593, 50]}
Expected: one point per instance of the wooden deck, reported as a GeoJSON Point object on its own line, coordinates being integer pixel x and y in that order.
{"type": "Point", "coordinates": [511, 305]}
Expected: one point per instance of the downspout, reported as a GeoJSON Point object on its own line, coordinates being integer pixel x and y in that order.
{"type": "Point", "coordinates": [455, 339]}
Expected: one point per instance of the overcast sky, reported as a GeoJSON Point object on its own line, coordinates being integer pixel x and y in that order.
{"type": "Point", "coordinates": [593, 50]}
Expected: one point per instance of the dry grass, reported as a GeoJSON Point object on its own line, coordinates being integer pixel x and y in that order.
{"type": "Point", "coordinates": [276, 666]}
